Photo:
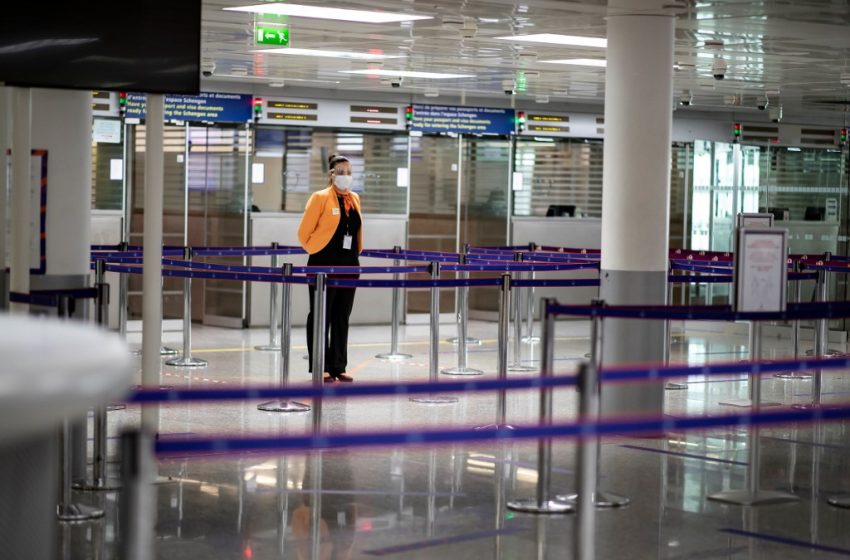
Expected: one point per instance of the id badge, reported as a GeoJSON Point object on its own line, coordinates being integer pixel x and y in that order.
{"type": "Point", "coordinates": [346, 242]}
{"type": "Point", "coordinates": [334, 211]}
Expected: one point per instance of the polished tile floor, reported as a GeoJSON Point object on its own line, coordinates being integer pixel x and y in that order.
{"type": "Point", "coordinates": [449, 502]}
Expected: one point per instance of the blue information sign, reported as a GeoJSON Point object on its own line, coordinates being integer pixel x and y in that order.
{"type": "Point", "coordinates": [466, 120]}
{"type": "Point", "coordinates": [213, 107]}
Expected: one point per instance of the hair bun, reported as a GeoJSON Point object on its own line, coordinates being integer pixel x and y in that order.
{"type": "Point", "coordinates": [334, 159]}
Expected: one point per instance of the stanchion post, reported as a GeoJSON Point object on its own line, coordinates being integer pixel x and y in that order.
{"type": "Point", "coordinates": [394, 354]}
{"type": "Point", "coordinates": [186, 360]}
{"type": "Point", "coordinates": [668, 341]}
{"type": "Point", "coordinates": [587, 465]}
{"type": "Point", "coordinates": [319, 344]}
{"type": "Point", "coordinates": [285, 345]}
{"type": "Point", "coordinates": [463, 306]}
{"type": "Point", "coordinates": [529, 337]}
{"type": "Point", "coordinates": [434, 344]}
{"type": "Point", "coordinates": [517, 302]}
{"type": "Point", "coordinates": [821, 338]}
{"type": "Point", "coordinates": [795, 327]}
{"type": "Point", "coordinates": [543, 501]}
{"type": "Point", "coordinates": [123, 288]}
{"type": "Point", "coordinates": [137, 513]}
{"type": "Point", "coordinates": [274, 333]}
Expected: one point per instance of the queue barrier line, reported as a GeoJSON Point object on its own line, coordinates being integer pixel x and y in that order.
{"type": "Point", "coordinates": [688, 279]}
{"type": "Point", "coordinates": [685, 266]}
{"type": "Point", "coordinates": [619, 374]}
{"type": "Point", "coordinates": [805, 311]}
{"type": "Point", "coordinates": [584, 430]}
{"type": "Point", "coordinates": [50, 298]}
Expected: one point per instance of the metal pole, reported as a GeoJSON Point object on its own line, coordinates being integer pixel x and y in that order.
{"type": "Point", "coordinates": [587, 465]}
{"type": "Point", "coordinates": [517, 301]}
{"type": "Point", "coordinates": [137, 514]}
{"type": "Point", "coordinates": [20, 195]}
{"type": "Point", "coordinates": [434, 345]}
{"type": "Point", "coordinates": [753, 496]}
{"type": "Point", "coordinates": [668, 342]}
{"type": "Point", "coordinates": [274, 333]}
{"type": "Point", "coordinates": [795, 329]}
{"type": "Point", "coordinates": [285, 345]}
{"type": "Point", "coordinates": [542, 502]}
{"type": "Point", "coordinates": [529, 337]}
{"type": "Point", "coordinates": [394, 354]}
{"type": "Point", "coordinates": [754, 378]}
{"type": "Point", "coordinates": [123, 287]}
{"type": "Point", "coordinates": [463, 305]}
{"type": "Point", "coordinates": [822, 288]}
{"type": "Point", "coordinates": [319, 344]}
{"type": "Point", "coordinates": [822, 337]}
{"type": "Point", "coordinates": [186, 360]}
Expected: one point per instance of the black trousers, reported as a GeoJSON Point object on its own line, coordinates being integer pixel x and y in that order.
{"type": "Point", "coordinates": [340, 302]}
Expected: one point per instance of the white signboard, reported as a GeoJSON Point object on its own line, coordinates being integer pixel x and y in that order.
{"type": "Point", "coordinates": [761, 270]}
{"type": "Point", "coordinates": [106, 131]}
{"type": "Point", "coordinates": [258, 173]}
{"type": "Point", "coordinates": [754, 220]}
{"type": "Point", "coordinates": [116, 169]}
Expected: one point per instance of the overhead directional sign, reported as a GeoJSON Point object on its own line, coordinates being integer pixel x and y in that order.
{"type": "Point", "coordinates": [209, 107]}
{"type": "Point", "coordinates": [465, 120]}
{"type": "Point", "coordinates": [272, 36]}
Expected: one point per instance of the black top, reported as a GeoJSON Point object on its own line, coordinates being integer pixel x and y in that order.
{"type": "Point", "coordinates": [333, 254]}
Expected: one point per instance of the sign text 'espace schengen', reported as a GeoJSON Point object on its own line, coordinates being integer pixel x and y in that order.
{"type": "Point", "coordinates": [211, 107]}
{"type": "Point", "coordinates": [466, 120]}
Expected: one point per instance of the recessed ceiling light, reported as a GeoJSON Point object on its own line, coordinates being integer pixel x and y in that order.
{"type": "Point", "coordinates": [598, 62]}
{"type": "Point", "coordinates": [327, 54]}
{"type": "Point", "coordinates": [556, 39]}
{"type": "Point", "coordinates": [319, 12]}
{"type": "Point", "coordinates": [407, 74]}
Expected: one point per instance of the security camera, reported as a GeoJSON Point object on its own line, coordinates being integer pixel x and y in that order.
{"type": "Point", "coordinates": [718, 69]}
{"type": "Point", "coordinates": [509, 87]}
{"type": "Point", "coordinates": [208, 68]}
{"type": "Point", "coordinates": [762, 104]}
{"type": "Point", "coordinates": [396, 82]}
{"type": "Point", "coordinates": [775, 113]}
{"type": "Point", "coordinates": [686, 99]}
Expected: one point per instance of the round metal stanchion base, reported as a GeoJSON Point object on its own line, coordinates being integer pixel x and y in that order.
{"type": "Point", "coordinates": [520, 368]}
{"type": "Point", "coordinates": [530, 505]}
{"type": "Point", "coordinates": [187, 362]}
{"type": "Point", "coordinates": [675, 386]}
{"type": "Point", "coordinates": [166, 351]}
{"type": "Point", "coordinates": [747, 498]}
{"type": "Point", "coordinates": [600, 499]}
{"type": "Point", "coordinates": [284, 406]}
{"type": "Point", "coordinates": [75, 513]}
{"type": "Point", "coordinates": [830, 352]}
{"type": "Point", "coordinates": [103, 485]}
{"type": "Point", "coordinates": [810, 406]}
{"type": "Point", "coordinates": [493, 427]}
{"type": "Point", "coordinates": [470, 341]}
{"type": "Point", "coordinates": [793, 375]}
{"type": "Point", "coordinates": [394, 357]}
{"type": "Point", "coordinates": [461, 371]}
{"type": "Point", "coordinates": [434, 400]}
{"type": "Point", "coordinates": [530, 339]}
{"type": "Point", "coordinates": [746, 403]}
{"type": "Point", "coordinates": [268, 348]}
{"type": "Point", "coordinates": [115, 406]}
{"type": "Point", "coordinates": [839, 501]}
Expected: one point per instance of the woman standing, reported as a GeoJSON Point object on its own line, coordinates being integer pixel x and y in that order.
{"type": "Point", "coordinates": [331, 232]}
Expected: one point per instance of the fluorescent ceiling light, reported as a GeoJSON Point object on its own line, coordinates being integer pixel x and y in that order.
{"type": "Point", "coordinates": [320, 12]}
{"type": "Point", "coordinates": [327, 54]}
{"type": "Point", "coordinates": [599, 62]}
{"type": "Point", "coordinates": [556, 39]}
{"type": "Point", "coordinates": [406, 74]}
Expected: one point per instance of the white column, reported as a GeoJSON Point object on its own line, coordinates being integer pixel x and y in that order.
{"type": "Point", "coordinates": [62, 125]}
{"type": "Point", "coordinates": [635, 191]}
{"type": "Point", "coordinates": [5, 144]}
{"type": "Point", "coordinates": [152, 261]}
{"type": "Point", "coordinates": [19, 280]}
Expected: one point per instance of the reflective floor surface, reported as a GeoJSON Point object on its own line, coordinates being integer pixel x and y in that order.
{"type": "Point", "coordinates": [450, 501]}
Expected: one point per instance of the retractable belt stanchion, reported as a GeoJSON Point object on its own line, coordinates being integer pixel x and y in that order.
{"type": "Point", "coordinates": [285, 345]}
{"type": "Point", "coordinates": [123, 288]}
{"type": "Point", "coordinates": [274, 333]}
{"type": "Point", "coordinates": [529, 337]}
{"type": "Point", "coordinates": [186, 360]}
{"type": "Point", "coordinates": [590, 389]}
{"type": "Point", "coordinates": [137, 513]}
{"type": "Point", "coordinates": [821, 341]}
{"type": "Point", "coordinates": [463, 305]}
{"type": "Point", "coordinates": [502, 357]}
{"type": "Point", "coordinates": [668, 341]}
{"type": "Point", "coordinates": [823, 295]}
{"type": "Point", "coordinates": [99, 480]}
{"type": "Point", "coordinates": [753, 495]}
{"type": "Point", "coordinates": [516, 365]}
{"type": "Point", "coordinates": [320, 343]}
{"type": "Point", "coordinates": [795, 328]}
{"type": "Point", "coordinates": [543, 502]}
{"type": "Point", "coordinates": [587, 466]}
{"type": "Point", "coordinates": [754, 383]}
{"type": "Point", "coordinates": [394, 354]}
{"type": "Point", "coordinates": [434, 350]}
{"type": "Point", "coordinates": [66, 509]}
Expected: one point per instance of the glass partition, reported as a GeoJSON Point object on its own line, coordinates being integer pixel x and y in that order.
{"type": "Point", "coordinates": [107, 169]}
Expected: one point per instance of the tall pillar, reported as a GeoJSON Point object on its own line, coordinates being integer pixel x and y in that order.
{"type": "Point", "coordinates": [635, 191]}
{"type": "Point", "coordinates": [152, 261]}
{"type": "Point", "coordinates": [19, 267]}
{"type": "Point", "coordinates": [5, 145]}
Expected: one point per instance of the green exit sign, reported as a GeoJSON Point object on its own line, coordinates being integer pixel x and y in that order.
{"type": "Point", "coordinates": [272, 36]}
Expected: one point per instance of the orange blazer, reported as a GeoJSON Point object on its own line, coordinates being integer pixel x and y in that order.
{"type": "Point", "coordinates": [321, 218]}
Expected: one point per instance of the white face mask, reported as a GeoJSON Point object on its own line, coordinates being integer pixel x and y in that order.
{"type": "Point", "coordinates": [342, 182]}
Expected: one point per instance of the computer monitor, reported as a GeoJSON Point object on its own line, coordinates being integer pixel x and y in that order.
{"type": "Point", "coordinates": [778, 212]}
{"type": "Point", "coordinates": [815, 213]}
{"type": "Point", "coordinates": [561, 210]}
